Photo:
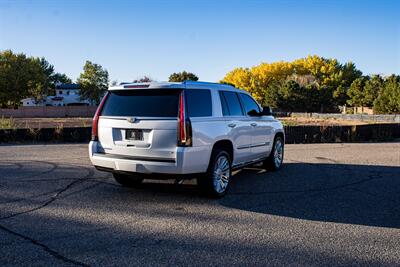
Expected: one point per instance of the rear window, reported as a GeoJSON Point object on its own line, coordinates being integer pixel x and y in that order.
{"type": "Point", "coordinates": [142, 103]}
{"type": "Point", "coordinates": [199, 102]}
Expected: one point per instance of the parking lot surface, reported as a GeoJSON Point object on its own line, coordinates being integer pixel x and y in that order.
{"type": "Point", "coordinates": [331, 204]}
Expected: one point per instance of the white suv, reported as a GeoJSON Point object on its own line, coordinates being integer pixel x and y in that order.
{"type": "Point", "coordinates": [183, 130]}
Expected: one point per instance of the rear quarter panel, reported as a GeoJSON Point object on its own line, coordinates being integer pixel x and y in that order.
{"type": "Point", "coordinates": [205, 132]}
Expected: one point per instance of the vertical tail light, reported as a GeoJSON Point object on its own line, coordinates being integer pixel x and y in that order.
{"type": "Point", "coordinates": [95, 124]}
{"type": "Point", "coordinates": [184, 124]}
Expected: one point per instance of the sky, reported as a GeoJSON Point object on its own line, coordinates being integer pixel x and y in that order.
{"type": "Point", "coordinates": [209, 38]}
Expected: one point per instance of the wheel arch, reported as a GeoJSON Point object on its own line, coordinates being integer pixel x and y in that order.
{"type": "Point", "coordinates": [280, 134]}
{"type": "Point", "coordinates": [226, 145]}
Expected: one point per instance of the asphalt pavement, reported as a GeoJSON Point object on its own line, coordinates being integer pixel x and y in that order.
{"type": "Point", "coordinates": [331, 205]}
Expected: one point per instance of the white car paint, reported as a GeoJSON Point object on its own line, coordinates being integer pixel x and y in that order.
{"type": "Point", "coordinates": [251, 137]}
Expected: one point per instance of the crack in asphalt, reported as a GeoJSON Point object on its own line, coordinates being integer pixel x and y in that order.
{"type": "Point", "coordinates": [50, 251]}
{"type": "Point", "coordinates": [89, 187]}
{"type": "Point", "coordinates": [35, 242]}
{"type": "Point", "coordinates": [31, 197]}
{"type": "Point", "coordinates": [89, 178]}
{"type": "Point", "coordinates": [55, 166]}
{"type": "Point", "coordinates": [53, 198]}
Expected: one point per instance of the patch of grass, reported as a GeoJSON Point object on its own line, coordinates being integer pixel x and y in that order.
{"type": "Point", "coordinates": [84, 122]}
{"type": "Point", "coordinates": [59, 129]}
{"type": "Point", "coordinates": [289, 123]}
{"type": "Point", "coordinates": [7, 123]}
{"type": "Point", "coordinates": [33, 132]}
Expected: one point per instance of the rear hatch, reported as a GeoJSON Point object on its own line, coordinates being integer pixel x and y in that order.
{"type": "Point", "coordinates": [140, 124]}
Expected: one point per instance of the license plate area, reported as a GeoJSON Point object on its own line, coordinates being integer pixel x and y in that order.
{"type": "Point", "coordinates": [134, 134]}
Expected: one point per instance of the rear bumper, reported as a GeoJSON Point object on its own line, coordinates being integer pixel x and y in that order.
{"type": "Point", "coordinates": [188, 160]}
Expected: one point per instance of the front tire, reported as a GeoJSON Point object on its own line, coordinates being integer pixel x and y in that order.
{"type": "Point", "coordinates": [275, 159]}
{"type": "Point", "coordinates": [216, 180]}
{"type": "Point", "coordinates": [128, 180]}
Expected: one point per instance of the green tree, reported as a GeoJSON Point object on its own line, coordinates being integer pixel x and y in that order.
{"type": "Point", "coordinates": [299, 93]}
{"type": "Point", "coordinates": [356, 92]}
{"type": "Point", "coordinates": [342, 80]}
{"type": "Point", "coordinates": [372, 88]}
{"type": "Point", "coordinates": [48, 71]}
{"type": "Point", "coordinates": [292, 96]}
{"type": "Point", "coordinates": [37, 91]}
{"type": "Point", "coordinates": [183, 76]}
{"type": "Point", "coordinates": [273, 97]}
{"type": "Point", "coordinates": [364, 90]}
{"type": "Point", "coordinates": [93, 82]}
{"type": "Point", "coordinates": [388, 100]}
{"type": "Point", "coordinates": [144, 79]}
{"type": "Point", "coordinates": [289, 96]}
{"type": "Point", "coordinates": [60, 78]}
{"type": "Point", "coordinates": [20, 77]}
{"type": "Point", "coordinates": [51, 77]}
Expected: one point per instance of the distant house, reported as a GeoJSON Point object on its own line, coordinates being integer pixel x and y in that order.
{"type": "Point", "coordinates": [66, 95]}
{"type": "Point", "coordinates": [29, 102]}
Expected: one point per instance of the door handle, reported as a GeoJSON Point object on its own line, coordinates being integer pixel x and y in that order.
{"type": "Point", "coordinates": [253, 124]}
{"type": "Point", "coordinates": [232, 125]}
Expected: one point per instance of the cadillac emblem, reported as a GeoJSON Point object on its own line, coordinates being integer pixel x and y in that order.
{"type": "Point", "coordinates": [131, 119]}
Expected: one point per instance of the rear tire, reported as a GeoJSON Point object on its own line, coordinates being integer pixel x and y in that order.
{"type": "Point", "coordinates": [215, 181]}
{"type": "Point", "coordinates": [275, 159]}
{"type": "Point", "coordinates": [128, 180]}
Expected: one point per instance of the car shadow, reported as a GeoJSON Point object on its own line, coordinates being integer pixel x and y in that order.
{"type": "Point", "coordinates": [325, 192]}
{"type": "Point", "coordinates": [341, 193]}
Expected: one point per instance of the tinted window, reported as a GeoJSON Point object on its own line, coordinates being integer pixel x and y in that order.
{"type": "Point", "coordinates": [249, 104]}
{"type": "Point", "coordinates": [198, 102]}
{"type": "Point", "coordinates": [224, 106]}
{"type": "Point", "coordinates": [233, 103]}
{"type": "Point", "coordinates": [142, 103]}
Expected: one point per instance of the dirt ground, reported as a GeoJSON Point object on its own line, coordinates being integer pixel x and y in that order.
{"type": "Point", "coordinates": [294, 121]}
{"type": "Point", "coordinates": [86, 122]}
{"type": "Point", "coordinates": [51, 122]}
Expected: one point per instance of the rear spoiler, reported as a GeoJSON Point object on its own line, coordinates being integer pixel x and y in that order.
{"type": "Point", "coordinates": [150, 85]}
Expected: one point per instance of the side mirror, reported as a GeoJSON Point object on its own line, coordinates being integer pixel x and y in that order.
{"type": "Point", "coordinates": [253, 113]}
{"type": "Point", "coordinates": [266, 111]}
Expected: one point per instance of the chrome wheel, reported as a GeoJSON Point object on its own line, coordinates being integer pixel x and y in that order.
{"type": "Point", "coordinates": [221, 174]}
{"type": "Point", "coordinates": [278, 153]}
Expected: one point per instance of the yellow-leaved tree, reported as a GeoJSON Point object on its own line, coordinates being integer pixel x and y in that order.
{"type": "Point", "coordinates": [321, 80]}
{"type": "Point", "coordinates": [239, 77]}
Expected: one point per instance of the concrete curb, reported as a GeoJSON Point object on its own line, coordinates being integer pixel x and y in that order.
{"type": "Point", "coordinates": [294, 134]}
